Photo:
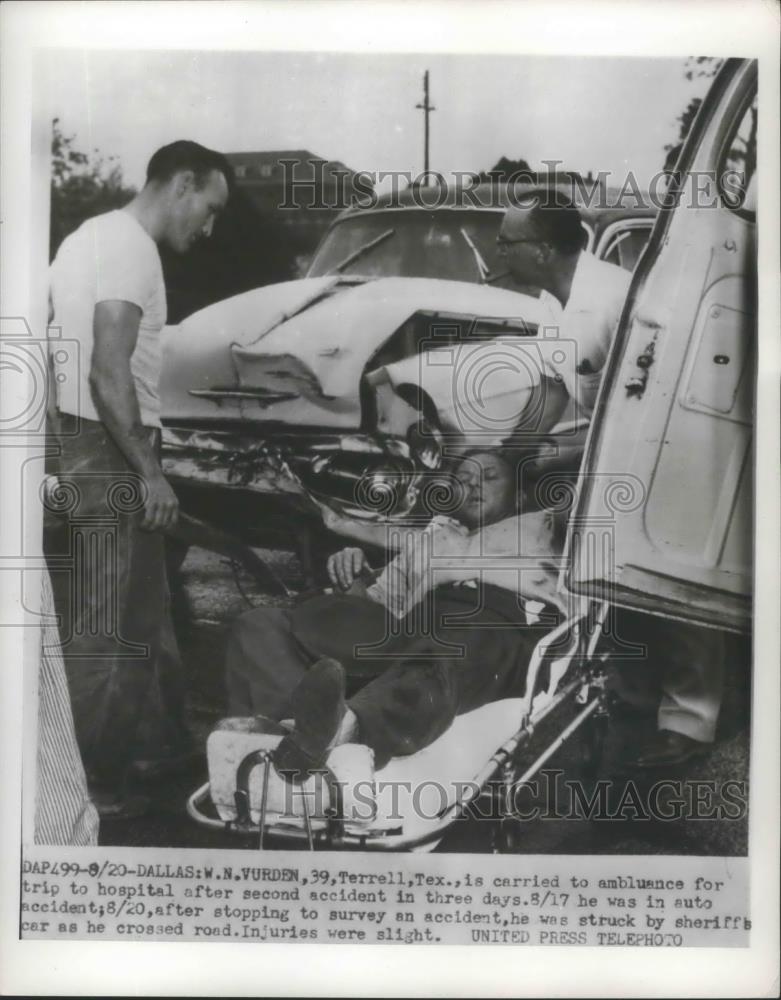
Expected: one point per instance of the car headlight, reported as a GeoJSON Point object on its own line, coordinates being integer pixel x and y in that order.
{"type": "Point", "coordinates": [374, 486]}
{"type": "Point", "coordinates": [386, 490]}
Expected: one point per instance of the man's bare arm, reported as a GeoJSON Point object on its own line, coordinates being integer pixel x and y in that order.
{"type": "Point", "coordinates": [115, 330]}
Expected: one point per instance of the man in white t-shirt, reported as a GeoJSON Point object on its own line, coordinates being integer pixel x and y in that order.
{"type": "Point", "coordinates": [541, 241]}
{"type": "Point", "coordinates": [107, 562]}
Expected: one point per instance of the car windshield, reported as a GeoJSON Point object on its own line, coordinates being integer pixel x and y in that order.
{"type": "Point", "coordinates": [456, 244]}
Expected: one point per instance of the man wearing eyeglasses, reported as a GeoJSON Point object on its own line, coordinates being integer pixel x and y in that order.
{"type": "Point", "coordinates": [541, 241]}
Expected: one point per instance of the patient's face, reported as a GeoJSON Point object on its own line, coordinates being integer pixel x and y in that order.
{"type": "Point", "coordinates": [489, 489]}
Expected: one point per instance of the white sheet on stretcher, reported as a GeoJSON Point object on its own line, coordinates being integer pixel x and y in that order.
{"type": "Point", "coordinates": [405, 797]}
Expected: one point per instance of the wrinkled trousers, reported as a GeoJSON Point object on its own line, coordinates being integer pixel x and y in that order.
{"type": "Point", "coordinates": [111, 596]}
{"type": "Point", "coordinates": [456, 651]}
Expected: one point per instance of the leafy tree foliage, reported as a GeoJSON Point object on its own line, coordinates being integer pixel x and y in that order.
{"type": "Point", "coordinates": [504, 169]}
{"type": "Point", "coordinates": [81, 186]}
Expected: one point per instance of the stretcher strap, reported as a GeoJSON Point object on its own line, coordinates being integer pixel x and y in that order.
{"type": "Point", "coordinates": [245, 769]}
{"type": "Point", "coordinates": [334, 813]}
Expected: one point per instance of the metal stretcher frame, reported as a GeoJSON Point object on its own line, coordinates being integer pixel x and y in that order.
{"type": "Point", "coordinates": [586, 687]}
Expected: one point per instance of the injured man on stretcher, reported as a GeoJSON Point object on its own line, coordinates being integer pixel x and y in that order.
{"type": "Point", "coordinates": [389, 660]}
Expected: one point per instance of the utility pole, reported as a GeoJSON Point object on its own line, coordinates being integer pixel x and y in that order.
{"type": "Point", "coordinates": [426, 107]}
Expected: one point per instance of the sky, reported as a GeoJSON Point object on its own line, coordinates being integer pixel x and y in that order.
{"type": "Point", "coordinates": [590, 113]}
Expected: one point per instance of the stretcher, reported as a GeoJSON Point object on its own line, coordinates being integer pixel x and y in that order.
{"type": "Point", "coordinates": [411, 802]}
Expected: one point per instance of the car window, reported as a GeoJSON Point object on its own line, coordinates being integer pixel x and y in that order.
{"type": "Point", "coordinates": [589, 237]}
{"type": "Point", "coordinates": [739, 163]}
{"type": "Point", "coordinates": [625, 246]}
{"type": "Point", "coordinates": [459, 245]}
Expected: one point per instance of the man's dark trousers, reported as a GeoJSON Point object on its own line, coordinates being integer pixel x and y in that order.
{"type": "Point", "coordinates": [457, 650]}
{"type": "Point", "coordinates": [112, 600]}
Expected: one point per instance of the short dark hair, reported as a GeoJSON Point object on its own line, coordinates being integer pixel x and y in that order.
{"type": "Point", "coordinates": [555, 219]}
{"type": "Point", "coordinates": [186, 155]}
{"type": "Point", "coordinates": [509, 458]}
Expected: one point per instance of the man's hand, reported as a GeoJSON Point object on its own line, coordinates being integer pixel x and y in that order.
{"type": "Point", "coordinates": [161, 508]}
{"type": "Point", "coordinates": [345, 566]}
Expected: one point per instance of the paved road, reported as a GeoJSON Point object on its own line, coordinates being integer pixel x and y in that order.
{"type": "Point", "coordinates": [213, 595]}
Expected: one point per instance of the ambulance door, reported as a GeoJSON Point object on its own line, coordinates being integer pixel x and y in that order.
{"type": "Point", "coordinates": [663, 517]}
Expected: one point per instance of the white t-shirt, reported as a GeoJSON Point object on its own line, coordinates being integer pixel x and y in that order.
{"type": "Point", "coordinates": [110, 257]}
{"type": "Point", "coordinates": [586, 326]}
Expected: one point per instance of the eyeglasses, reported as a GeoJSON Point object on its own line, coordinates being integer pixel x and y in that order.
{"type": "Point", "coordinates": [502, 242]}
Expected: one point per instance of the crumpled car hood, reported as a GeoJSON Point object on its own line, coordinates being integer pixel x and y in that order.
{"type": "Point", "coordinates": [198, 353]}
{"type": "Point", "coordinates": [295, 352]}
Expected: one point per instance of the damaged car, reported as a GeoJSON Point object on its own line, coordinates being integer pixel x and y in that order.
{"type": "Point", "coordinates": [344, 390]}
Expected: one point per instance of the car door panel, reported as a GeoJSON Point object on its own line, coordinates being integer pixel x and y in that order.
{"type": "Point", "coordinates": [666, 485]}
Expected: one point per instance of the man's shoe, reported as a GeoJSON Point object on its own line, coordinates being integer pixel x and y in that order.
{"type": "Point", "coordinates": [668, 748]}
{"type": "Point", "coordinates": [318, 709]}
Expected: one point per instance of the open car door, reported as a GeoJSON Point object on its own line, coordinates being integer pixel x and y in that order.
{"type": "Point", "coordinates": [663, 518]}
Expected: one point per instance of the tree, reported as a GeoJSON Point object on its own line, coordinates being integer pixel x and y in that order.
{"type": "Point", "coordinates": [504, 169]}
{"type": "Point", "coordinates": [694, 67]}
{"type": "Point", "coordinates": [81, 186]}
